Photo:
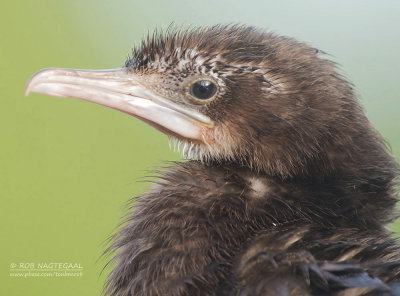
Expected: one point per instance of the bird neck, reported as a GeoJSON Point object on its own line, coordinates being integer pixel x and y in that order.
{"type": "Point", "coordinates": [354, 183]}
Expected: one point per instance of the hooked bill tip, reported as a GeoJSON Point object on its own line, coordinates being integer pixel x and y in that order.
{"type": "Point", "coordinates": [27, 89]}
{"type": "Point", "coordinates": [29, 83]}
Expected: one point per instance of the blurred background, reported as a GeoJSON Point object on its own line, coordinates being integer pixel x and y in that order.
{"type": "Point", "coordinates": [67, 167]}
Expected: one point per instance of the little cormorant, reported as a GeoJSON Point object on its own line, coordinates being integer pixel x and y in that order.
{"type": "Point", "coordinates": [287, 189]}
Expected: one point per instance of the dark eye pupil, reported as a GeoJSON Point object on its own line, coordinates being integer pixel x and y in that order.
{"type": "Point", "coordinates": [203, 89]}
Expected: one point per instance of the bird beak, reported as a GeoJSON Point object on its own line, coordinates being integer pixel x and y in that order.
{"type": "Point", "coordinates": [124, 91]}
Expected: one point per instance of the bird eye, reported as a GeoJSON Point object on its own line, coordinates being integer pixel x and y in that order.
{"type": "Point", "coordinates": [203, 90]}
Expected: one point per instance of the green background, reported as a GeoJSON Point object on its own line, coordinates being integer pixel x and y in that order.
{"type": "Point", "coordinates": [68, 166]}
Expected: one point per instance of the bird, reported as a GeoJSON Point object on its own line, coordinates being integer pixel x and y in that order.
{"type": "Point", "coordinates": [285, 188]}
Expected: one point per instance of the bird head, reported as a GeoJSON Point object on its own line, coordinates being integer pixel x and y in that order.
{"type": "Point", "coordinates": [231, 94]}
